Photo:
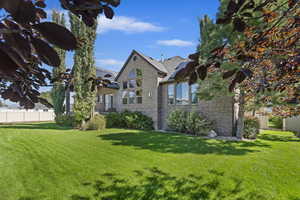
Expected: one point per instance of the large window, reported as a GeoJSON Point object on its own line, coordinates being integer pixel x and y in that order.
{"type": "Point", "coordinates": [133, 87]}
{"type": "Point", "coordinates": [171, 94]}
{"type": "Point", "coordinates": [182, 93]}
{"type": "Point", "coordinates": [194, 96]}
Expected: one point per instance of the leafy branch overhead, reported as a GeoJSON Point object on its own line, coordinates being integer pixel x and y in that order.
{"type": "Point", "coordinates": [27, 41]}
{"type": "Point", "coordinates": [266, 49]}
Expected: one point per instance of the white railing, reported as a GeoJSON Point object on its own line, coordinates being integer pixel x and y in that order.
{"type": "Point", "coordinates": [10, 116]}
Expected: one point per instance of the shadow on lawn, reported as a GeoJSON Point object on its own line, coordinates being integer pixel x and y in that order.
{"type": "Point", "coordinates": [175, 143]}
{"type": "Point", "coordinates": [278, 138]}
{"type": "Point", "coordinates": [35, 126]}
{"type": "Point", "coordinates": [154, 184]}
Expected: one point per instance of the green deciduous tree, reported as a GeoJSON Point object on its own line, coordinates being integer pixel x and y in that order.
{"type": "Point", "coordinates": [58, 90]}
{"type": "Point", "coordinates": [84, 70]}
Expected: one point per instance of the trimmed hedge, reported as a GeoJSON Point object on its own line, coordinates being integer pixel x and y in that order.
{"type": "Point", "coordinates": [251, 127]}
{"type": "Point", "coordinates": [189, 122]}
{"type": "Point", "coordinates": [131, 120]}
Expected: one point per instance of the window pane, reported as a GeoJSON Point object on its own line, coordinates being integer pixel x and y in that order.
{"type": "Point", "coordinates": [124, 100]}
{"type": "Point", "coordinates": [124, 94]}
{"type": "Point", "coordinates": [125, 85]}
{"type": "Point", "coordinates": [132, 74]}
{"type": "Point", "coordinates": [132, 84]}
{"type": "Point", "coordinates": [194, 96]}
{"type": "Point", "coordinates": [182, 93]}
{"type": "Point", "coordinates": [171, 94]}
{"type": "Point", "coordinates": [139, 83]}
{"type": "Point", "coordinates": [139, 73]}
{"type": "Point", "coordinates": [131, 97]}
{"type": "Point", "coordinates": [139, 100]}
{"type": "Point", "coordinates": [139, 93]}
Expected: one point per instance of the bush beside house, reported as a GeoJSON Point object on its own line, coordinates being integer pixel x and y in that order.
{"type": "Point", "coordinates": [251, 127]}
{"type": "Point", "coordinates": [98, 122]}
{"type": "Point", "coordinates": [189, 122]}
{"type": "Point", "coordinates": [131, 120]}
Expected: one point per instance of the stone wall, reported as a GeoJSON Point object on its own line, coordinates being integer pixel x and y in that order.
{"type": "Point", "coordinates": [219, 111]}
{"type": "Point", "coordinates": [149, 106]}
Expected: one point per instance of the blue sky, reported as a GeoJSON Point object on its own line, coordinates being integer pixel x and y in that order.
{"type": "Point", "coordinates": [168, 27]}
{"type": "Point", "coordinates": [155, 28]}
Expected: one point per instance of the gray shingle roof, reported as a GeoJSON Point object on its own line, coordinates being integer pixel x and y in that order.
{"type": "Point", "coordinates": [172, 64]}
{"type": "Point", "coordinates": [158, 65]}
{"type": "Point", "coordinates": [100, 72]}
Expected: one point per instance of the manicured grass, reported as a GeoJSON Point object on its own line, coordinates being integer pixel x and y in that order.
{"type": "Point", "coordinates": [44, 162]}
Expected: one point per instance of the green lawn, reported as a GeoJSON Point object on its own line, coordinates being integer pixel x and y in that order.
{"type": "Point", "coordinates": [42, 161]}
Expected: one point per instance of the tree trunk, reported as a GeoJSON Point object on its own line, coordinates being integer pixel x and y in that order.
{"type": "Point", "coordinates": [240, 115]}
{"type": "Point", "coordinates": [253, 112]}
{"type": "Point", "coordinates": [68, 104]}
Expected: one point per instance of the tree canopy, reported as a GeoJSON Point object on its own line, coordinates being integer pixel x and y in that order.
{"type": "Point", "coordinates": [27, 40]}
{"type": "Point", "coordinates": [265, 56]}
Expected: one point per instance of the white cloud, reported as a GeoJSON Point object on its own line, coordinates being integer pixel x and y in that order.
{"type": "Point", "coordinates": [118, 23]}
{"type": "Point", "coordinates": [126, 24]}
{"type": "Point", "coordinates": [175, 42]}
{"type": "Point", "coordinates": [109, 62]}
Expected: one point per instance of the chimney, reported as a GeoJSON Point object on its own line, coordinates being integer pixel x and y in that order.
{"type": "Point", "coordinates": [162, 58]}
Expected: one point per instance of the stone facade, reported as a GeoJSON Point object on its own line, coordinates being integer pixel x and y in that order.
{"type": "Point", "coordinates": [155, 95]}
{"type": "Point", "coordinates": [219, 111]}
{"type": "Point", "coordinates": [149, 87]}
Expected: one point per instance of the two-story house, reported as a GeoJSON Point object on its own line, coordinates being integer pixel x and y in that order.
{"type": "Point", "coordinates": [147, 85]}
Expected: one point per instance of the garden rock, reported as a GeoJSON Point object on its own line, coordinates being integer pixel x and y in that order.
{"type": "Point", "coordinates": [212, 134]}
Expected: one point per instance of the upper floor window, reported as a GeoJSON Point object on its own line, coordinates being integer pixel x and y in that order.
{"type": "Point", "coordinates": [133, 86]}
{"type": "Point", "coordinates": [132, 74]}
{"type": "Point", "coordinates": [194, 95]}
{"type": "Point", "coordinates": [182, 93]}
{"type": "Point", "coordinates": [125, 85]}
{"type": "Point", "coordinates": [171, 94]}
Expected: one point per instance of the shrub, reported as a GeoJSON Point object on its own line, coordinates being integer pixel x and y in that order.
{"type": "Point", "coordinates": [177, 120]}
{"type": "Point", "coordinates": [297, 134]}
{"type": "Point", "coordinates": [98, 122]}
{"type": "Point", "coordinates": [65, 120]}
{"type": "Point", "coordinates": [115, 120]}
{"type": "Point", "coordinates": [197, 125]}
{"type": "Point", "coordinates": [276, 122]}
{"type": "Point", "coordinates": [189, 122]}
{"type": "Point", "coordinates": [251, 127]}
{"type": "Point", "coordinates": [127, 119]}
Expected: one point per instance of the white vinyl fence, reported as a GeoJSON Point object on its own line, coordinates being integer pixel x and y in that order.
{"type": "Point", "coordinates": [292, 124]}
{"type": "Point", "coordinates": [10, 116]}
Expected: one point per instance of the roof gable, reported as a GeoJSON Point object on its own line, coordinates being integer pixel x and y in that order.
{"type": "Point", "coordinates": [154, 63]}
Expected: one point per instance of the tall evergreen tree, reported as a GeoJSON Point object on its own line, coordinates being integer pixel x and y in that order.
{"type": "Point", "coordinates": [58, 90]}
{"type": "Point", "coordinates": [84, 69]}
{"type": "Point", "coordinates": [212, 36]}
